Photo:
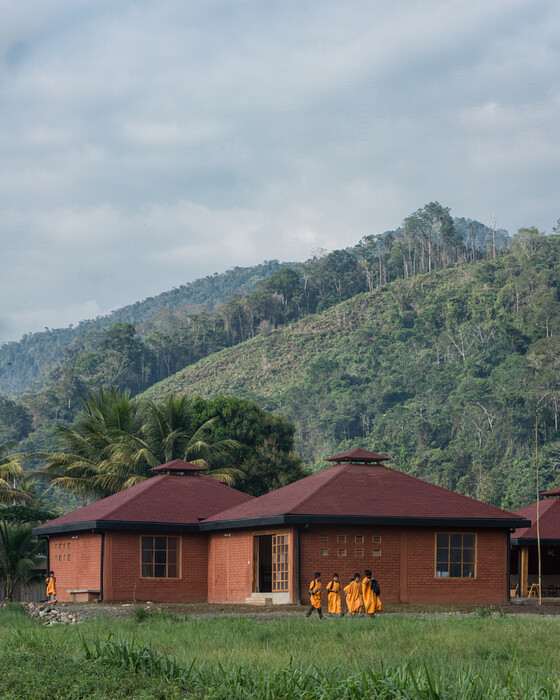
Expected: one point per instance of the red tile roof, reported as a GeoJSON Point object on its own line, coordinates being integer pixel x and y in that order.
{"type": "Point", "coordinates": [549, 520]}
{"type": "Point", "coordinates": [167, 498]}
{"type": "Point", "coordinates": [552, 492]}
{"type": "Point", "coordinates": [364, 490]}
{"type": "Point", "coordinates": [357, 455]}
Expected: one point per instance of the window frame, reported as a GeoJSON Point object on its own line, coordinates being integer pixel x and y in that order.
{"type": "Point", "coordinates": [179, 558]}
{"type": "Point", "coordinates": [462, 562]}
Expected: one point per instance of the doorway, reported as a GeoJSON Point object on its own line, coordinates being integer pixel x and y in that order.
{"type": "Point", "coordinates": [263, 561]}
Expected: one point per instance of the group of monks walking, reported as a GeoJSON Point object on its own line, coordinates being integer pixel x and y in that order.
{"type": "Point", "coordinates": [362, 596]}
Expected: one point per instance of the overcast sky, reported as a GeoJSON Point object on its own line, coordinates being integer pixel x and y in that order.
{"type": "Point", "coordinates": [146, 143]}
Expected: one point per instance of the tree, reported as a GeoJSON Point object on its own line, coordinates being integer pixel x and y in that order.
{"type": "Point", "coordinates": [19, 555]}
{"type": "Point", "coordinates": [172, 430]}
{"type": "Point", "coordinates": [15, 420]}
{"type": "Point", "coordinates": [265, 442]}
{"type": "Point", "coordinates": [11, 474]}
{"type": "Point", "coordinates": [527, 241]}
{"type": "Point", "coordinates": [114, 442]}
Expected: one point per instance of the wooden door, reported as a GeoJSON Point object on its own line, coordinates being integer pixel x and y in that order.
{"type": "Point", "coordinates": [280, 563]}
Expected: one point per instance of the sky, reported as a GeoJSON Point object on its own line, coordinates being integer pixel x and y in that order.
{"type": "Point", "coordinates": [146, 143]}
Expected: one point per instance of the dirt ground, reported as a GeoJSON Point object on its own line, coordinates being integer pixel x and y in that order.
{"type": "Point", "coordinates": [280, 612]}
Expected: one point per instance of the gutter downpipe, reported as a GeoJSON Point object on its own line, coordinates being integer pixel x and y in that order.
{"type": "Point", "coordinates": [298, 530]}
{"type": "Point", "coordinates": [48, 543]}
{"type": "Point", "coordinates": [101, 567]}
{"type": "Point", "coordinates": [509, 567]}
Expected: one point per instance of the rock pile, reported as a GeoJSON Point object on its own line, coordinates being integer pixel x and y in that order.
{"type": "Point", "coordinates": [52, 614]}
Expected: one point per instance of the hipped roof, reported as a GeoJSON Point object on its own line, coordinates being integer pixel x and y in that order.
{"type": "Point", "coordinates": [157, 503]}
{"type": "Point", "coordinates": [549, 520]}
{"type": "Point", "coordinates": [363, 493]}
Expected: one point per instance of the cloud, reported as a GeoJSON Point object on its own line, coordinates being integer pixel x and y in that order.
{"type": "Point", "coordinates": [146, 144]}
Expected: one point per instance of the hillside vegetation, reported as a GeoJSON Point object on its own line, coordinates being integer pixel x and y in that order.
{"type": "Point", "coordinates": [431, 343]}
{"type": "Point", "coordinates": [445, 372]}
{"type": "Point", "coordinates": [28, 360]}
{"type": "Point", "coordinates": [134, 356]}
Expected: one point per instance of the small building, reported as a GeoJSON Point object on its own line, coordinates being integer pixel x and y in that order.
{"type": "Point", "coordinates": [524, 559]}
{"type": "Point", "coordinates": [143, 543]}
{"type": "Point", "coordinates": [425, 544]}
{"type": "Point", "coordinates": [181, 536]}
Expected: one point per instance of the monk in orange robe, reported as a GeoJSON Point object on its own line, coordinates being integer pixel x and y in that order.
{"type": "Point", "coordinates": [372, 603]}
{"type": "Point", "coordinates": [354, 596]}
{"type": "Point", "coordinates": [51, 586]}
{"type": "Point", "coordinates": [334, 589]}
{"type": "Point", "coordinates": [315, 588]}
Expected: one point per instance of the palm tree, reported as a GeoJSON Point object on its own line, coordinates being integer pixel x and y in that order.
{"type": "Point", "coordinates": [19, 555]}
{"type": "Point", "coordinates": [11, 473]}
{"type": "Point", "coordinates": [114, 442]}
{"type": "Point", "coordinates": [172, 431]}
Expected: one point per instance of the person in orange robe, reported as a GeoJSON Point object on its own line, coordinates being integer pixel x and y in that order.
{"type": "Point", "coordinates": [51, 586]}
{"type": "Point", "coordinates": [334, 588]}
{"type": "Point", "coordinates": [315, 588]}
{"type": "Point", "coordinates": [372, 603]}
{"type": "Point", "coordinates": [354, 596]}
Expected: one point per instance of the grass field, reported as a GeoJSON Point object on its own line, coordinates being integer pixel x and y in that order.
{"type": "Point", "coordinates": [160, 655]}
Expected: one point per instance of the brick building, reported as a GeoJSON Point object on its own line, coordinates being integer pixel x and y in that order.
{"type": "Point", "coordinates": [143, 543]}
{"type": "Point", "coordinates": [524, 555]}
{"type": "Point", "coordinates": [424, 543]}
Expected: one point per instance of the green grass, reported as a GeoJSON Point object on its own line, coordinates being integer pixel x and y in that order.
{"type": "Point", "coordinates": [397, 656]}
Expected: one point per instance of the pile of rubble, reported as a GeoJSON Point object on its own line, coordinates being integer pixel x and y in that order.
{"type": "Point", "coordinates": [52, 614]}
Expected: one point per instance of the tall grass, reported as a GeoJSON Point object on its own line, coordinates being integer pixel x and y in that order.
{"type": "Point", "coordinates": [392, 657]}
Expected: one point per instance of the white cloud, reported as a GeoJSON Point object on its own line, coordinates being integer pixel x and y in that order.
{"type": "Point", "coordinates": [146, 144]}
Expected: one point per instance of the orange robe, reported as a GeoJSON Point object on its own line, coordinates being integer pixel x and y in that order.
{"type": "Point", "coordinates": [372, 602]}
{"type": "Point", "coordinates": [333, 596]}
{"type": "Point", "coordinates": [315, 595]}
{"type": "Point", "coordinates": [353, 597]}
{"type": "Point", "coordinates": [51, 586]}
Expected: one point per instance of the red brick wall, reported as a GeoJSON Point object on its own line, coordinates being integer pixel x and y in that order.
{"type": "Point", "coordinates": [122, 580]}
{"type": "Point", "coordinates": [406, 568]}
{"type": "Point", "coordinates": [230, 567]}
{"type": "Point", "coordinates": [75, 560]}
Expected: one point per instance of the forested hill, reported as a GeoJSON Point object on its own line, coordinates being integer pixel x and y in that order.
{"type": "Point", "coordinates": [25, 361]}
{"type": "Point", "coordinates": [445, 372]}
{"type": "Point", "coordinates": [178, 327]}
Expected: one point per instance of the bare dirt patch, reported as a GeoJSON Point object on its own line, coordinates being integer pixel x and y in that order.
{"type": "Point", "coordinates": [280, 612]}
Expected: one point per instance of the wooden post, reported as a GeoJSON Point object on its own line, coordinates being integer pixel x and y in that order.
{"type": "Point", "coordinates": [538, 506]}
{"type": "Point", "coordinates": [524, 573]}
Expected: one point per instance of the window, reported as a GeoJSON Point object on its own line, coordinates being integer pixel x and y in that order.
{"type": "Point", "coordinates": [341, 539]}
{"type": "Point", "coordinates": [324, 538]}
{"type": "Point", "coordinates": [359, 539]}
{"type": "Point", "coordinates": [376, 553]}
{"type": "Point", "coordinates": [160, 557]}
{"type": "Point", "coordinates": [359, 553]}
{"type": "Point", "coordinates": [455, 555]}
{"type": "Point", "coordinates": [324, 552]}
{"type": "Point", "coordinates": [376, 539]}
{"type": "Point", "coordinates": [341, 552]}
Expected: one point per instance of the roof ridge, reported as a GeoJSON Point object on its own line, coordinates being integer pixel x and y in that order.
{"type": "Point", "coordinates": [327, 483]}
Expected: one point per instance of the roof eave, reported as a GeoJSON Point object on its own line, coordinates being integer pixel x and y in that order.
{"type": "Point", "coordinates": [103, 525]}
{"type": "Point", "coordinates": [300, 520]}
{"type": "Point", "coordinates": [532, 541]}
